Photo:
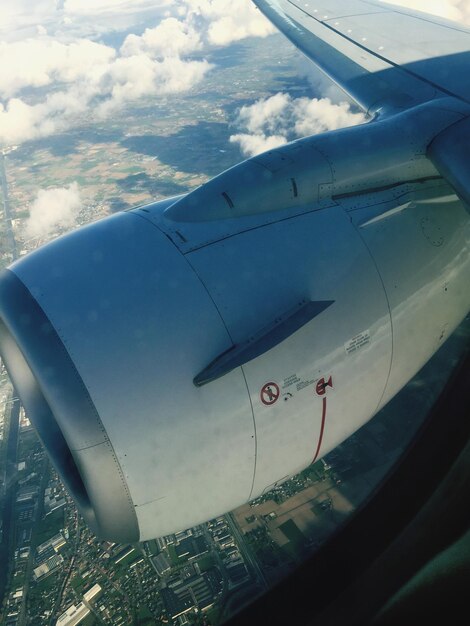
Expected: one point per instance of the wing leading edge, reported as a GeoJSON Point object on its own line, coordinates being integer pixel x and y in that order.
{"type": "Point", "coordinates": [383, 56]}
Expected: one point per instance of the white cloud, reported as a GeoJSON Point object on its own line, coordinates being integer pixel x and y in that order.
{"type": "Point", "coordinates": [274, 121]}
{"type": "Point", "coordinates": [52, 209]}
{"type": "Point", "coordinates": [20, 121]}
{"type": "Point", "coordinates": [88, 77]}
{"type": "Point", "coordinates": [228, 21]}
{"type": "Point", "coordinates": [19, 18]}
{"type": "Point", "coordinates": [96, 7]}
{"type": "Point", "coordinates": [132, 77]}
{"type": "Point", "coordinates": [214, 22]}
{"type": "Point", "coordinates": [250, 145]}
{"type": "Point", "coordinates": [40, 62]}
{"type": "Point", "coordinates": [171, 37]}
{"type": "Point", "coordinates": [265, 115]}
{"type": "Point", "coordinates": [20, 13]}
{"type": "Point", "coordinates": [319, 115]}
{"type": "Point", "coordinates": [110, 87]}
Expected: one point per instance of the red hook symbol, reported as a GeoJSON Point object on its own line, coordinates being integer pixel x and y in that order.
{"type": "Point", "coordinates": [322, 385]}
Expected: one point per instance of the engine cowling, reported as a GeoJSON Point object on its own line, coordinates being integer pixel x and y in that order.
{"type": "Point", "coordinates": [105, 329]}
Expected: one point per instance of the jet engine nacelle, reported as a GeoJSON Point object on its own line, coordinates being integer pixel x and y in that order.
{"type": "Point", "coordinates": [172, 380]}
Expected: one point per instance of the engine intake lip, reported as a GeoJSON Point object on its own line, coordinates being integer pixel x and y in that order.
{"type": "Point", "coordinates": [63, 413]}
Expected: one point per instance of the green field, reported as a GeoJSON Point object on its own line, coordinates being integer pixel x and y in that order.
{"type": "Point", "coordinates": [206, 563]}
{"type": "Point", "coordinates": [174, 558]}
{"type": "Point", "coordinates": [293, 533]}
{"type": "Point", "coordinates": [49, 526]}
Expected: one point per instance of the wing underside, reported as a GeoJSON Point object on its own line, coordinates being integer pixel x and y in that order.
{"type": "Point", "coordinates": [383, 56]}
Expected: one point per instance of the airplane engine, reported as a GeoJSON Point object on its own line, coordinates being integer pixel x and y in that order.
{"type": "Point", "coordinates": [174, 370]}
{"type": "Point", "coordinates": [104, 331]}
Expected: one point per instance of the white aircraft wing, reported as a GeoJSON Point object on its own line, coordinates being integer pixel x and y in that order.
{"type": "Point", "coordinates": [382, 55]}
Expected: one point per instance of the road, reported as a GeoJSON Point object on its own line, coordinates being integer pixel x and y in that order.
{"type": "Point", "coordinates": [38, 511]}
{"type": "Point", "coordinates": [6, 207]}
{"type": "Point", "coordinates": [10, 490]}
{"type": "Point", "coordinates": [56, 610]}
{"type": "Point", "coordinates": [246, 552]}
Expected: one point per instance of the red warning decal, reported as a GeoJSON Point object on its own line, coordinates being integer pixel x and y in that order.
{"type": "Point", "coordinates": [322, 385]}
{"type": "Point", "coordinates": [322, 430]}
{"type": "Point", "coordinates": [270, 393]}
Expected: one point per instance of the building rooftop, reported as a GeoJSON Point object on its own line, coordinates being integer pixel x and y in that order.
{"type": "Point", "coordinates": [161, 564]}
{"type": "Point", "coordinates": [92, 593]}
{"type": "Point", "coordinates": [73, 615]}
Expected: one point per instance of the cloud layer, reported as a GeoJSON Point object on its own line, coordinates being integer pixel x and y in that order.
{"type": "Point", "coordinates": [53, 76]}
{"type": "Point", "coordinates": [19, 18]}
{"type": "Point", "coordinates": [274, 121]}
{"type": "Point", "coordinates": [84, 78]}
{"type": "Point", "coordinates": [172, 37]}
{"type": "Point", "coordinates": [43, 61]}
{"type": "Point", "coordinates": [50, 82]}
{"type": "Point", "coordinates": [53, 209]}
{"type": "Point", "coordinates": [226, 21]}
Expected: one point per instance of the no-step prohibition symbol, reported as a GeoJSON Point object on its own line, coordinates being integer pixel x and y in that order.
{"type": "Point", "coordinates": [270, 394]}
